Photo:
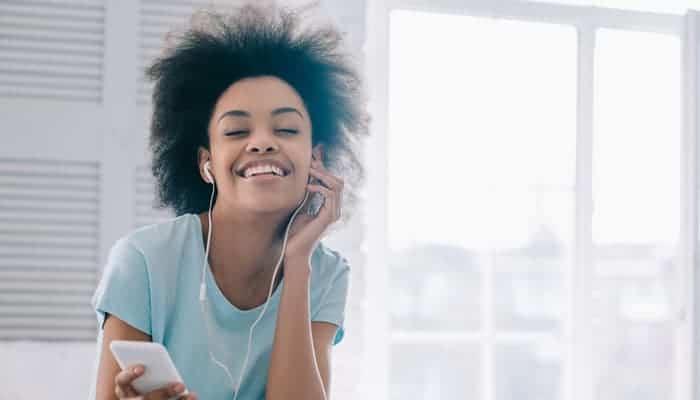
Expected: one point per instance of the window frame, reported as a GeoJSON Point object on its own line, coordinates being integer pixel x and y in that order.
{"type": "Point", "coordinates": [577, 373]}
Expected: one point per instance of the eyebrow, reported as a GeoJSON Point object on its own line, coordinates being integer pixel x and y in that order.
{"type": "Point", "coordinates": [276, 111]}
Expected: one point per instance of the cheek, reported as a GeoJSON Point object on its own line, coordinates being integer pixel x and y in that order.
{"type": "Point", "coordinates": [303, 177]}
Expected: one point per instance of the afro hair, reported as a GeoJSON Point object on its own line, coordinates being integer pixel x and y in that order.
{"type": "Point", "coordinates": [217, 49]}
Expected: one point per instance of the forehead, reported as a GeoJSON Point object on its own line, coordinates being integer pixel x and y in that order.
{"type": "Point", "coordinates": [259, 94]}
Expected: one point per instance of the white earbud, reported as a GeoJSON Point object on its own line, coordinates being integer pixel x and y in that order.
{"type": "Point", "coordinates": [207, 172]}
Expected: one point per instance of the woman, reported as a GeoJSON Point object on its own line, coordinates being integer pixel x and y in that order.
{"type": "Point", "coordinates": [266, 110]}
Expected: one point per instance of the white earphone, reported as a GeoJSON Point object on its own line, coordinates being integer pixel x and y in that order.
{"type": "Point", "coordinates": [203, 285]}
{"type": "Point", "coordinates": [207, 172]}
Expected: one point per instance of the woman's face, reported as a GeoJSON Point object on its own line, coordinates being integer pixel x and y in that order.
{"type": "Point", "coordinates": [257, 119]}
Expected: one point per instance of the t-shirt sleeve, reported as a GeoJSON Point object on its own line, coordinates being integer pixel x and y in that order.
{"type": "Point", "coordinates": [332, 308]}
{"type": "Point", "coordinates": [124, 290]}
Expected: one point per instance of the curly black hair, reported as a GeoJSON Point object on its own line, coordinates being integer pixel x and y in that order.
{"type": "Point", "coordinates": [219, 48]}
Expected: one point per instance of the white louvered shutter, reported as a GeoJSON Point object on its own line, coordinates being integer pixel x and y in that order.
{"type": "Point", "coordinates": [48, 248]}
{"type": "Point", "coordinates": [52, 49]}
{"type": "Point", "coordinates": [51, 124]}
{"type": "Point", "coordinates": [145, 211]}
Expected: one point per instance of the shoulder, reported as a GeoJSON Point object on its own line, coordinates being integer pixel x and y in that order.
{"type": "Point", "coordinates": [142, 273]}
{"type": "Point", "coordinates": [330, 287]}
{"type": "Point", "coordinates": [141, 249]}
{"type": "Point", "coordinates": [328, 260]}
{"type": "Point", "coordinates": [160, 236]}
{"type": "Point", "coordinates": [328, 265]}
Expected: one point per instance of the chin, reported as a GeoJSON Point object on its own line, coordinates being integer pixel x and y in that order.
{"type": "Point", "coordinates": [268, 207]}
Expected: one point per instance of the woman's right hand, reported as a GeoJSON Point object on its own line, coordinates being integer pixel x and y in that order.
{"type": "Point", "coordinates": [124, 390]}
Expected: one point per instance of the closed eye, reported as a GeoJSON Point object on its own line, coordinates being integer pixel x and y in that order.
{"type": "Point", "coordinates": [288, 131]}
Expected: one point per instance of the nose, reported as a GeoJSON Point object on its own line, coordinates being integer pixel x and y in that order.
{"type": "Point", "coordinates": [262, 145]}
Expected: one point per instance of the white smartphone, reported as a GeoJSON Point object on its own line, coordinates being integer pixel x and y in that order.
{"type": "Point", "coordinates": [160, 369]}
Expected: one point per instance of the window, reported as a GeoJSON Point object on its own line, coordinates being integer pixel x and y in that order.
{"type": "Point", "coordinates": [533, 190]}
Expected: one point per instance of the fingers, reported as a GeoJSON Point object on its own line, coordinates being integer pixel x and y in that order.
{"type": "Point", "coordinates": [334, 183]}
{"type": "Point", "coordinates": [320, 189]}
{"type": "Point", "coordinates": [330, 202]}
{"type": "Point", "coordinates": [331, 181]}
{"type": "Point", "coordinates": [166, 392]}
{"type": "Point", "coordinates": [124, 389]}
{"type": "Point", "coordinates": [123, 381]}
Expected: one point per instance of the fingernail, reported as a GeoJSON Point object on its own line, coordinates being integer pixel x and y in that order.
{"type": "Point", "coordinates": [178, 387]}
{"type": "Point", "coordinates": [138, 370]}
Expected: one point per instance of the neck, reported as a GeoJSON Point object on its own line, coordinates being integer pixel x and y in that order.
{"type": "Point", "coordinates": [245, 247]}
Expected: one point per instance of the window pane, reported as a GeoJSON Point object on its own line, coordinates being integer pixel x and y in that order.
{"type": "Point", "coordinates": [481, 162]}
{"type": "Point", "coordinates": [435, 371]}
{"type": "Point", "coordinates": [529, 371]}
{"type": "Point", "coordinates": [636, 194]}
{"type": "Point", "coordinates": [429, 290]}
{"type": "Point", "coordinates": [529, 281]}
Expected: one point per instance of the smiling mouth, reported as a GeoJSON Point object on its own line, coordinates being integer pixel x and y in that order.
{"type": "Point", "coordinates": [264, 176]}
{"type": "Point", "coordinates": [279, 172]}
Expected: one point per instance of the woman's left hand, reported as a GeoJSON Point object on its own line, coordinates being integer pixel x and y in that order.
{"type": "Point", "coordinates": [306, 230]}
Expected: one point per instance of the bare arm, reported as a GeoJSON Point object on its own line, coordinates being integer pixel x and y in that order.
{"type": "Point", "coordinates": [115, 383]}
{"type": "Point", "coordinates": [323, 334]}
{"type": "Point", "coordinates": [114, 329]}
{"type": "Point", "coordinates": [300, 360]}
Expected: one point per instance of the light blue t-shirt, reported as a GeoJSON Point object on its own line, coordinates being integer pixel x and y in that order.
{"type": "Point", "coordinates": [151, 281]}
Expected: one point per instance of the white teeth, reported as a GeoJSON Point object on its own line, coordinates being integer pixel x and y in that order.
{"type": "Point", "coordinates": [262, 169]}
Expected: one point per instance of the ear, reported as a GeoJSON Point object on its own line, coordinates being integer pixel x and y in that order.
{"type": "Point", "coordinates": [202, 157]}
